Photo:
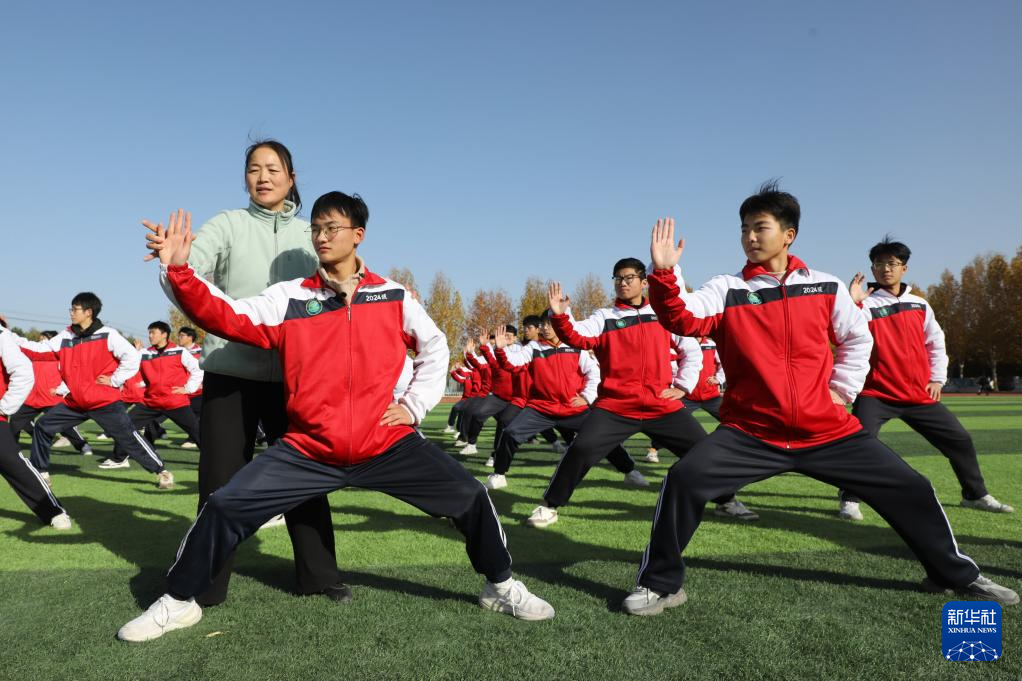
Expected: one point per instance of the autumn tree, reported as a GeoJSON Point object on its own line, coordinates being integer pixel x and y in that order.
{"type": "Point", "coordinates": [590, 295]}
{"type": "Point", "coordinates": [945, 299]}
{"type": "Point", "coordinates": [444, 306]}
{"type": "Point", "coordinates": [488, 310]}
{"type": "Point", "coordinates": [403, 276]}
{"type": "Point", "coordinates": [534, 298]}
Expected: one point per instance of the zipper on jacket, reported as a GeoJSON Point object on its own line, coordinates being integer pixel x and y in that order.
{"type": "Point", "coordinates": [787, 364]}
{"type": "Point", "coordinates": [642, 362]}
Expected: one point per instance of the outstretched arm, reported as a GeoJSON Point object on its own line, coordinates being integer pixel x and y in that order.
{"type": "Point", "coordinates": [254, 320]}
{"type": "Point", "coordinates": [854, 343]}
{"type": "Point", "coordinates": [583, 335]}
{"type": "Point", "coordinates": [20, 376]}
{"type": "Point", "coordinates": [698, 313]}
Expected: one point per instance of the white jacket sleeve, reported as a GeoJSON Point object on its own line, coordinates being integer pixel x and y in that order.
{"type": "Point", "coordinates": [690, 363]}
{"type": "Point", "coordinates": [854, 345]}
{"type": "Point", "coordinates": [429, 368]}
{"type": "Point", "coordinates": [719, 375]}
{"type": "Point", "coordinates": [194, 372]}
{"type": "Point", "coordinates": [590, 368]}
{"type": "Point", "coordinates": [126, 354]}
{"type": "Point", "coordinates": [20, 375]}
{"type": "Point", "coordinates": [935, 348]}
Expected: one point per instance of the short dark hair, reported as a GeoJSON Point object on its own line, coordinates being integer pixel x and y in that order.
{"type": "Point", "coordinates": [545, 315]}
{"type": "Point", "coordinates": [48, 334]}
{"type": "Point", "coordinates": [87, 300]}
{"type": "Point", "coordinates": [510, 328]}
{"type": "Point", "coordinates": [160, 326]}
{"type": "Point", "coordinates": [531, 320]}
{"type": "Point", "coordinates": [351, 207]}
{"type": "Point", "coordinates": [284, 154]}
{"type": "Point", "coordinates": [771, 200]}
{"type": "Point", "coordinates": [634, 263]}
{"type": "Point", "coordinates": [889, 247]}
{"type": "Point", "coordinates": [188, 331]}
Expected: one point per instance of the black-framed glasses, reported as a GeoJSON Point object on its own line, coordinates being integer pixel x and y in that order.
{"type": "Point", "coordinates": [627, 279]}
{"type": "Point", "coordinates": [887, 265]}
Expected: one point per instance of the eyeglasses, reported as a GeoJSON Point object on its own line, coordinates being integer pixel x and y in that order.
{"type": "Point", "coordinates": [887, 265]}
{"type": "Point", "coordinates": [75, 308]}
{"type": "Point", "coordinates": [330, 231]}
{"type": "Point", "coordinates": [627, 279]}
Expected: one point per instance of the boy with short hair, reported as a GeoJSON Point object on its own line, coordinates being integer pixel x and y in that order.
{"type": "Point", "coordinates": [345, 426]}
{"type": "Point", "coordinates": [95, 361]}
{"type": "Point", "coordinates": [784, 409]}
{"type": "Point", "coordinates": [908, 369]}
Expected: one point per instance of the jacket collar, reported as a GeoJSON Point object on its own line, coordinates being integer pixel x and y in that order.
{"type": "Point", "coordinates": [877, 291]}
{"type": "Point", "coordinates": [794, 263]}
{"type": "Point", "coordinates": [79, 332]}
{"type": "Point", "coordinates": [315, 280]}
{"type": "Point", "coordinates": [622, 305]}
{"type": "Point", "coordinates": [269, 216]}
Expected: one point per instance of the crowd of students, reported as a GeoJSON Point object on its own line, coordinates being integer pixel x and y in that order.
{"type": "Point", "coordinates": [775, 353]}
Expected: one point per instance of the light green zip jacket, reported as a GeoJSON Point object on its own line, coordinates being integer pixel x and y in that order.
{"type": "Point", "coordinates": [242, 252]}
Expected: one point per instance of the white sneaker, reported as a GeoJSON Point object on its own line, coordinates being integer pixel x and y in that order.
{"type": "Point", "coordinates": [558, 446]}
{"type": "Point", "coordinates": [636, 479]}
{"type": "Point", "coordinates": [470, 449]}
{"type": "Point", "coordinates": [275, 521]}
{"type": "Point", "coordinates": [165, 479]}
{"type": "Point", "coordinates": [652, 456]}
{"type": "Point", "coordinates": [166, 614]}
{"type": "Point", "coordinates": [46, 478]}
{"type": "Point", "coordinates": [102, 436]}
{"type": "Point", "coordinates": [61, 521]}
{"type": "Point", "coordinates": [735, 509]}
{"type": "Point", "coordinates": [849, 510]}
{"type": "Point", "coordinates": [460, 443]}
{"type": "Point", "coordinates": [107, 464]}
{"type": "Point", "coordinates": [189, 445]}
{"type": "Point", "coordinates": [645, 601]}
{"type": "Point", "coordinates": [496, 481]}
{"type": "Point", "coordinates": [513, 598]}
{"type": "Point", "coordinates": [982, 588]}
{"type": "Point", "coordinates": [987, 503]}
{"type": "Point", "coordinates": [61, 442]}
{"type": "Point", "coordinates": [542, 516]}
{"type": "Point", "coordinates": [449, 429]}
{"type": "Point", "coordinates": [489, 462]}
{"type": "Point", "coordinates": [86, 450]}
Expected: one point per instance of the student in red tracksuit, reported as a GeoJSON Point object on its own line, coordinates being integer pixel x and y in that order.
{"type": "Point", "coordinates": [484, 374]}
{"type": "Point", "coordinates": [784, 409]}
{"type": "Point", "coordinates": [16, 381]}
{"type": "Point", "coordinates": [706, 394]}
{"type": "Point", "coordinates": [636, 392]}
{"type": "Point", "coordinates": [908, 369]}
{"type": "Point", "coordinates": [171, 374]}
{"type": "Point", "coordinates": [95, 361]}
{"type": "Point", "coordinates": [501, 388]}
{"type": "Point", "coordinates": [345, 427]}
{"type": "Point", "coordinates": [154, 431]}
{"type": "Point", "coordinates": [468, 380]}
{"type": "Point", "coordinates": [563, 383]}
{"type": "Point", "coordinates": [47, 392]}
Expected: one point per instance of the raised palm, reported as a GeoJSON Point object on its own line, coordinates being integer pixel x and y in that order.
{"type": "Point", "coordinates": [662, 251]}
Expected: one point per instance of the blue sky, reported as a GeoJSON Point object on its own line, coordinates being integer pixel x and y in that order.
{"type": "Point", "coordinates": [497, 141]}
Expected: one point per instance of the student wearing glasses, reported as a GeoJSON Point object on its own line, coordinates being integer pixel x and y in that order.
{"type": "Point", "coordinates": [908, 369]}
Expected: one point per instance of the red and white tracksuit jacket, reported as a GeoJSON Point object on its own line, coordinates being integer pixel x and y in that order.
{"type": "Point", "coordinates": [340, 361]}
{"type": "Point", "coordinates": [774, 341]}
{"type": "Point", "coordinates": [133, 390]}
{"type": "Point", "coordinates": [16, 377]}
{"type": "Point", "coordinates": [469, 379]}
{"type": "Point", "coordinates": [634, 355]}
{"type": "Point", "coordinates": [557, 374]}
{"type": "Point", "coordinates": [84, 357]}
{"type": "Point", "coordinates": [196, 351]}
{"type": "Point", "coordinates": [47, 380]}
{"type": "Point", "coordinates": [908, 347]}
{"type": "Point", "coordinates": [479, 365]}
{"type": "Point", "coordinates": [502, 382]}
{"type": "Point", "coordinates": [712, 368]}
{"type": "Point", "coordinates": [166, 369]}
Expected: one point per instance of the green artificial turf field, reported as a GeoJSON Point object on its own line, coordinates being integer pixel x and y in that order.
{"type": "Point", "coordinates": [798, 595]}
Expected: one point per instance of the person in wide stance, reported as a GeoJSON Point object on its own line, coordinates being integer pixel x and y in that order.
{"type": "Point", "coordinates": [777, 312]}
{"type": "Point", "coordinates": [345, 426]}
